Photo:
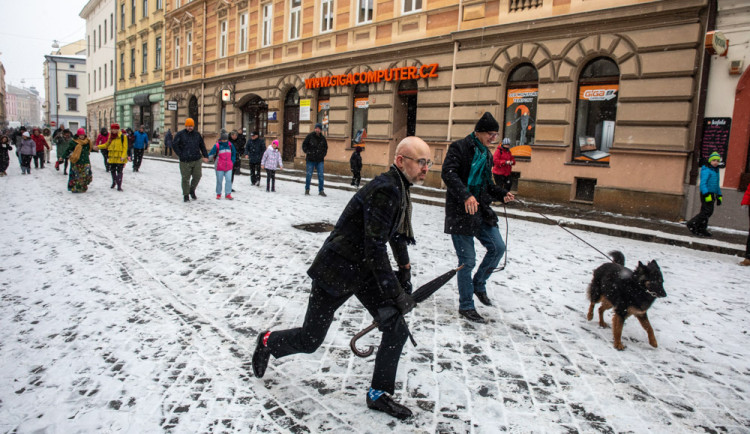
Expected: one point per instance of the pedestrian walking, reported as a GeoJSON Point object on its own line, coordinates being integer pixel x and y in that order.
{"type": "Point", "coordinates": [355, 163]}
{"type": "Point", "coordinates": [315, 147]}
{"type": "Point", "coordinates": [224, 155]}
{"type": "Point", "coordinates": [189, 146]}
{"type": "Point", "coordinates": [62, 141]}
{"type": "Point", "coordinates": [80, 167]}
{"type": "Point", "coordinates": [117, 156]}
{"type": "Point", "coordinates": [47, 138]}
{"type": "Point", "coordinates": [254, 149]}
{"type": "Point", "coordinates": [16, 138]}
{"type": "Point", "coordinates": [710, 195]}
{"type": "Point", "coordinates": [238, 142]}
{"type": "Point", "coordinates": [503, 165]}
{"type": "Point", "coordinates": [27, 151]}
{"type": "Point", "coordinates": [139, 147]}
{"type": "Point", "coordinates": [354, 260]}
{"type": "Point", "coordinates": [100, 140]}
{"type": "Point", "coordinates": [271, 162]}
{"type": "Point", "coordinates": [746, 206]}
{"type": "Point", "coordinates": [41, 145]}
{"type": "Point", "coordinates": [467, 173]}
{"type": "Point", "coordinates": [168, 143]}
{"type": "Point", "coordinates": [5, 148]}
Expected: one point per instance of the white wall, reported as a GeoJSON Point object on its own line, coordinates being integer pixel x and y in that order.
{"type": "Point", "coordinates": [100, 52]}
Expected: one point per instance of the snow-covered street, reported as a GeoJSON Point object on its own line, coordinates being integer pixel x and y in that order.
{"type": "Point", "coordinates": [135, 312]}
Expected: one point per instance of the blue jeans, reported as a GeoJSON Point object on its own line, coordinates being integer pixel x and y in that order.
{"type": "Point", "coordinates": [308, 174]}
{"type": "Point", "coordinates": [491, 239]}
{"type": "Point", "coordinates": [226, 176]}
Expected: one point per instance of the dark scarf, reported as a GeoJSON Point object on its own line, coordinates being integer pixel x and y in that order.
{"type": "Point", "coordinates": [404, 221]}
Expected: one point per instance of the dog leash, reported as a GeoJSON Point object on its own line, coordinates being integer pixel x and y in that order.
{"type": "Point", "coordinates": [563, 228]}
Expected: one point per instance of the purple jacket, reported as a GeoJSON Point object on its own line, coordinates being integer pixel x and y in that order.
{"type": "Point", "coordinates": [272, 159]}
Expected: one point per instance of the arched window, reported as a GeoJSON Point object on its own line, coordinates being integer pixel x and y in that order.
{"type": "Point", "coordinates": [193, 109]}
{"type": "Point", "coordinates": [520, 108]}
{"type": "Point", "coordinates": [359, 113]}
{"type": "Point", "coordinates": [255, 116]}
{"type": "Point", "coordinates": [324, 107]}
{"type": "Point", "coordinates": [407, 92]}
{"type": "Point", "coordinates": [596, 111]}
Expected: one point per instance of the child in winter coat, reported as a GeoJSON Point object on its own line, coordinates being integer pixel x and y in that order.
{"type": "Point", "coordinates": [224, 155]}
{"type": "Point", "coordinates": [355, 162]}
{"type": "Point", "coordinates": [5, 148]}
{"type": "Point", "coordinates": [27, 151]}
{"type": "Point", "coordinates": [503, 162]}
{"type": "Point", "coordinates": [710, 195]}
{"type": "Point", "coordinates": [41, 145]}
{"type": "Point", "coordinates": [271, 162]}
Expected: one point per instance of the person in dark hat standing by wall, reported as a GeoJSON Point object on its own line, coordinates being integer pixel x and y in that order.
{"type": "Point", "coordinates": [467, 173]}
{"type": "Point", "coordinates": [189, 146]}
{"type": "Point", "coordinates": [254, 149]}
{"type": "Point", "coordinates": [315, 147]}
{"type": "Point", "coordinates": [354, 261]}
{"type": "Point", "coordinates": [239, 146]}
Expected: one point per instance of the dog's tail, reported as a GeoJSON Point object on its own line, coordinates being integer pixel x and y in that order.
{"type": "Point", "coordinates": [617, 257]}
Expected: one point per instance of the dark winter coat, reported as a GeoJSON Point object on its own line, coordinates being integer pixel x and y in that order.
{"type": "Point", "coordinates": [315, 147]}
{"type": "Point", "coordinates": [355, 253]}
{"type": "Point", "coordinates": [255, 149]}
{"type": "Point", "coordinates": [168, 140]}
{"type": "Point", "coordinates": [189, 146]}
{"type": "Point", "coordinates": [456, 169]}
{"type": "Point", "coordinates": [239, 145]}
{"type": "Point", "coordinates": [355, 162]}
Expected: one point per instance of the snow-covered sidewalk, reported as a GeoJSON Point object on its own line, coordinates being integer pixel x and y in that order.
{"type": "Point", "coordinates": [136, 312]}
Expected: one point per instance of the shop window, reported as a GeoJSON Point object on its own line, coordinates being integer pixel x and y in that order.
{"type": "Point", "coordinates": [520, 109]}
{"type": "Point", "coordinates": [596, 111]}
{"type": "Point", "coordinates": [324, 108]}
{"type": "Point", "coordinates": [255, 116]}
{"type": "Point", "coordinates": [359, 113]}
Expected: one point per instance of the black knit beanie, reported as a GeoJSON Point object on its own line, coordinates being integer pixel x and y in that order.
{"type": "Point", "coordinates": [486, 123]}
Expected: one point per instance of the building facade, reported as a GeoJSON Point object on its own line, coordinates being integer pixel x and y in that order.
{"type": "Point", "coordinates": [3, 111]}
{"type": "Point", "coordinates": [100, 63]}
{"type": "Point", "coordinates": [140, 64]}
{"type": "Point", "coordinates": [599, 99]}
{"type": "Point", "coordinates": [23, 105]}
{"type": "Point", "coordinates": [65, 85]}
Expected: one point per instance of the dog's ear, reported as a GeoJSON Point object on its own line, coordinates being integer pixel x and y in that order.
{"type": "Point", "coordinates": [640, 264]}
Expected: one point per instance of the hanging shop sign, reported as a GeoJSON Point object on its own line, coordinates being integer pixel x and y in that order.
{"type": "Point", "coordinates": [391, 74]}
{"type": "Point", "coordinates": [172, 105]}
{"type": "Point", "coordinates": [716, 43]}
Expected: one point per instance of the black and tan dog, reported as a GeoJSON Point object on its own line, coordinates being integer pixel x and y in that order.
{"type": "Point", "coordinates": [629, 292]}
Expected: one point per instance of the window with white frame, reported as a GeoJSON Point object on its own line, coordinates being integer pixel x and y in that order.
{"type": "Point", "coordinates": [145, 8]}
{"type": "Point", "coordinates": [144, 59]}
{"type": "Point", "coordinates": [267, 24]}
{"type": "Point", "coordinates": [157, 57]}
{"type": "Point", "coordinates": [100, 36]}
{"type": "Point", "coordinates": [122, 16]}
{"type": "Point", "coordinates": [295, 13]}
{"type": "Point", "coordinates": [132, 11]}
{"type": "Point", "coordinates": [159, 4]}
{"type": "Point", "coordinates": [326, 16]}
{"type": "Point", "coordinates": [412, 6]}
{"type": "Point", "coordinates": [105, 31]}
{"type": "Point", "coordinates": [112, 73]}
{"type": "Point", "coordinates": [243, 32]}
{"type": "Point", "coordinates": [364, 11]}
{"type": "Point", "coordinates": [189, 48]}
{"type": "Point", "coordinates": [100, 79]}
{"type": "Point", "coordinates": [176, 51]}
{"type": "Point", "coordinates": [105, 75]}
{"type": "Point", "coordinates": [223, 39]}
{"type": "Point", "coordinates": [94, 44]}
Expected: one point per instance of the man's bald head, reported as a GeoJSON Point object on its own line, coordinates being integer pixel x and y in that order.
{"type": "Point", "coordinates": [413, 145]}
{"type": "Point", "coordinates": [409, 153]}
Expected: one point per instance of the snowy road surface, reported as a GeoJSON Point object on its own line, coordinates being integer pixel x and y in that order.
{"type": "Point", "coordinates": [136, 312]}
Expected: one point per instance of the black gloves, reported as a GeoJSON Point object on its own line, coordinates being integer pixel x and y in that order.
{"type": "Point", "coordinates": [404, 279]}
{"type": "Point", "coordinates": [404, 303]}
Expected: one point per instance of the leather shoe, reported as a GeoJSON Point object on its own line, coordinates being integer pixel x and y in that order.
{"type": "Point", "coordinates": [386, 404]}
{"type": "Point", "coordinates": [471, 315]}
{"type": "Point", "coordinates": [482, 296]}
{"type": "Point", "coordinates": [260, 356]}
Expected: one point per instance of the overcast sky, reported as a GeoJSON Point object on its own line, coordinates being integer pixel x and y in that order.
{"type": "Point", "coordinates": [27, 32]}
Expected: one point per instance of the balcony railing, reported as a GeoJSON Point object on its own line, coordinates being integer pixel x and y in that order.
{"type": "Point", "coordinates": [521, 5]}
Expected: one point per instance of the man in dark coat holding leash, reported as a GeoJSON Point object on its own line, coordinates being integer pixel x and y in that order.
{"type": "Point", "coordinates": [254, 149]}
{"type": "Point", "coordinates": [467, 173]}
{"type": "Point", "coordinates": [354, 261]}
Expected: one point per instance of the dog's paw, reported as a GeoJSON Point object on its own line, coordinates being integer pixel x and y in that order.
{"type": "Point", "coordinates": [603, 325]}
{"type": "Point", "coordinates": [590, 316]}
{"type": "Point", "coordinates": [619, 347]}
{"type": "Point", "coordinates": [653, 343]}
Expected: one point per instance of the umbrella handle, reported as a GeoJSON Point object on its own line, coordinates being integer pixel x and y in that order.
{"type": "Point", "coordinates": [353, 342]}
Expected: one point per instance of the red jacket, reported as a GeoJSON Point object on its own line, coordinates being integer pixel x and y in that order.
{"type": "Point", "coordinates": [40, 142]}
{"type": "Point", "coordinates": [746, 198]}
{"type": "Point", "coordinates": [503, 161]}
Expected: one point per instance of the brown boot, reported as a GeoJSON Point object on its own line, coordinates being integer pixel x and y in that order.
{"type": "Point", "coordinates": [745, 263]}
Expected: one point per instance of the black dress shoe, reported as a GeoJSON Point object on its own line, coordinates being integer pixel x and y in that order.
{"type": "Point", "coordinates": [471, 315]}
{"type": "Point", "coordinates": [192, 194]}
{"type": "Point", "coordinates": [482, 296]}
{"type": "Point", "coordinates": [186, 198]}
{"type": "Point", "coordinates": [260, 356]}
{"type": "Point", "coordinates": [386, 404]}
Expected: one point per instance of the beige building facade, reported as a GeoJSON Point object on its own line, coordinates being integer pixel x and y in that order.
{"type": "Point", "coordinates": [598, 98]}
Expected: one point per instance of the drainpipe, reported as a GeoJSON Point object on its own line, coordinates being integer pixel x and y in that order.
{"type": "Point", "coordinates": [203, 65]}
{"type": "Point", "coordinates": [453, 88]}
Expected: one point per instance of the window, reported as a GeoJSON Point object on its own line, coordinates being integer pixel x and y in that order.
{"type": "Point", "coordinates": [72, 104]}
{"type": "Point", "coordinates": [596, 111]}
{"type": "Point", "coordinates": [112, 26]}
{"type": "Point", "coordinates": [100, 79]}
{"type": "Point", "coordinates": [72, 81]}
{"type": "Point", "coordinates": [132, 62]}
{"type": "Point", "coordinates": [145, 8]}
{"type": "Point", "coordinates": [105, 31]}
{"type": "Point", "coordinates": [94, 45]}
{"type": "Point", "coordinates": [94, 81]}
{"type": "Point", "coordinates": [364, 11]}
{"type": "Point", "coordinates": [176, 51]}
{"type": "Point", "coordinates": [122, 16]}
{"type": "Point", "coordinates": [177, 4]}
{"type": "Point", "coordinates": [132, 11]}
{"type": "Point", "coordinates": [223, 38]}
{"type": "Point", "coordinates": [243, 33]}
{"type": "Point", "coordinates": [189, 49]}
{"type": "Point", "coordinates": [112, 70]}
{"type": "Point", "coordinates": [144, 58]}
{"type": "Point", "coordinates": [324, 107]}
{"type": "Point", "coordinates": [412, 6]}
{"type": "Point", "coordinates": [520, 107]}
{"type": "Point", "coordinates": [88, 44]}
{"type": "Point", "coordinates": [157, 54]}
{"type": "Point", "coordinates": [122, 66]}
{"type": "Point", "coordinates": [105, 75]}
{"type": "Point", "coordinates": [359, 111]}
{"type": "Point", "coordinates": [159, 5]}
{"type": "Point", "coordinates": [267, 24]}
{"type": "Point", "coordinates": [295, 12]}
{"type": "Point", "coordinates": [100, 36]}
{"type": "Point", "coordinates": [326, 16]}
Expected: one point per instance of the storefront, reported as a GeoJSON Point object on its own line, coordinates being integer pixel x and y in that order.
{"type": "Point", "coordinates": [143, 105]}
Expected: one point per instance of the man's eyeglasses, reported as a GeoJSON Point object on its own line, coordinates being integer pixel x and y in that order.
{"type": "Point", "coordinates": [422, 162]}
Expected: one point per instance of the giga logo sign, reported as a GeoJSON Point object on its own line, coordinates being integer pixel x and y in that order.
{"type": "Point", "coordinates": [598, 93]}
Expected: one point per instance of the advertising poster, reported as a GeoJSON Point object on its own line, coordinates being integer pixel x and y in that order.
{"type": "Point", "coordinates": [304, 110]}
{"type": "Point", "coordinates": [520, 119]}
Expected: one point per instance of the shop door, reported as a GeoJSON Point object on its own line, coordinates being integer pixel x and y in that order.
{"type": "Point", "coordinates": [291, 125]}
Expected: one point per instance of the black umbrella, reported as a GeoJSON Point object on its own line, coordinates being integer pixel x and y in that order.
{"type": "Point", "coordinates": [388, 313]}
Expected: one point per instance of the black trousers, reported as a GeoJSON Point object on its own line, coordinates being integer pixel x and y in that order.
{"type": "Point", "coordinates": [137, 158]}
{"type": "Point", "coordinates": [39, 159]}
{"type": "Point", "coordinates": [270, 180]}
{"type": "Point", "coordinates": [255, 173]}
{"type": "Point", "coordinates": [700, 221]}
{"type": "Point", "coordinates": [320, 311]}
{"type": "Point", "coordinates": [167, 151]}
{"type": "Point", "coordinates": [116, 171]}
{"type": "Point", "coordinates": [503, 181]}
{"type": "Point", "coordinates": [356, 177]}
{"type": "Point", "coordinates": [105, 154]}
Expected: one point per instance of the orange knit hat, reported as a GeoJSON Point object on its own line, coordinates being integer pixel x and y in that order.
{"type": "Point", "coordinates": [189, 122]}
